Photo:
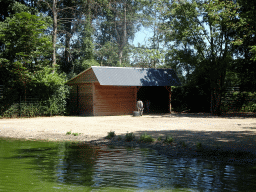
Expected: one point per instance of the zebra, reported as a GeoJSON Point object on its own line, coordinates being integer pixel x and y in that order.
{"type": "Point", "coordinates": [140, 107]}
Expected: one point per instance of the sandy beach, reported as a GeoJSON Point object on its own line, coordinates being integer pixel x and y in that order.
{"type": "Point", "coordinates": [235, 132]}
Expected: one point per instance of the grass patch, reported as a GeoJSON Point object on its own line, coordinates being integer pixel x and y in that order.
{"type": "Point", "coordinates": [159, 138]}
{"type": "Point", "coordinates": [75, 134]}
{"type": "Point", "coordinates": [199, 146]}
{"type": "Point", "coordinates": [129, 137]}
{"type": "Point", "coordinates": [68, 133]}
{"type": "Point", "coordinates": [111, 134]}
{"type": "Point", "coordinates": [119, 138]}
{"type": "Point", "coordinates": [183, 144]}
{"type": "Point", "coordinates": [168, 139]}
{"type": "Point", "coordinates": [146, 138]}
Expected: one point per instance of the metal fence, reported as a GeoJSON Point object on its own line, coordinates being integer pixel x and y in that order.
{"type": "Point", "coordinates": [27, 101]}
{"type": "Point", "coordinates": [1, 91]}
{"type": "Point", "coordinates": [232, 102]}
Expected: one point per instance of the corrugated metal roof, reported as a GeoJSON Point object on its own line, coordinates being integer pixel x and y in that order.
{"type": "Point", "coordinates": [129, 76]}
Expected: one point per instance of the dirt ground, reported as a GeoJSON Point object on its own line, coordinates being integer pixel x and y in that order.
{"type": "Point", "coordinates": [237, 132]}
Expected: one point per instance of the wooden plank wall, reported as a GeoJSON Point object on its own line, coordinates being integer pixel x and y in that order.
{"type": "Point", "coordinates": [85, 92]}
{"type": "Point", "coordinates": [114, 100]}
{"type": "Point", "coordinates": [85, 77]}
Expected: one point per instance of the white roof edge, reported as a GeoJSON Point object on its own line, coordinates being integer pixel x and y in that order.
{"type": "Point", "coordinates": [79, 74]}
{"type": "Point", "coordinates": [126, 67]}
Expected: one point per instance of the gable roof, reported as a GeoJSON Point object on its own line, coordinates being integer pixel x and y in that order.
{"type": "Point", "coordinates": [129, 76]}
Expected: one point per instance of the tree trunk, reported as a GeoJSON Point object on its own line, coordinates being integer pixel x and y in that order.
{"type": "Point", "coordinates": [120, 56]}
{"type": "Point", "coordinates": [67, 55]}
{"type": "Point", "coordinates": [54, 35]}
{"type": "Point", "coordinates": [123, 39]}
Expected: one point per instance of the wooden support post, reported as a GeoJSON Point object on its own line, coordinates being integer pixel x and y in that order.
{"type": "Point", "coordinates": [135, 102]}
{"type": "Point", "coordinates": [169, 89]}
{"type": "Point", "coordinates": [93, 99]}
{"type": "Point", "coordinates": [170, 99]}
{"type": "Point", "coordinates": [137, 88]}
{"type": "Point", "coordinates": [77, 100]}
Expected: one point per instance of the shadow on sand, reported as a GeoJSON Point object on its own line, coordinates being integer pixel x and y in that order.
{"type": "Point", "coordinates": [202, 115]}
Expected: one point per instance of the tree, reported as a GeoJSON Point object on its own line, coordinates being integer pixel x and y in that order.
{"type": "Point", "coordinates": [24, 62]}
{"type": "Point", "coordinates": [117, 26]}
{"type": "Point", "coordinates": [245, 67]}
{"type": "Point", "coordinates": [26, 49]}
{"type": "Point", "coordinates": [207, 27]}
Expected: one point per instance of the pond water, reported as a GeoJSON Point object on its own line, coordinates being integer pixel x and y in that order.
{"type": "Point", "coordinates": [66, 166]}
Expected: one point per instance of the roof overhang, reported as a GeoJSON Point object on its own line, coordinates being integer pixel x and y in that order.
{"type": "Point", "coordinates": [129, 76]}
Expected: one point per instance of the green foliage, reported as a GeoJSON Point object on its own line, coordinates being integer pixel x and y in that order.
{"type": "Point", "coordinates": [149, 58]}
{"type": "Point", "coordinates": [236, 101]}
{"type": "Point", "coordinates": [199, 146]}
{"type": "Point", "coordinates": [253, 107]}
{"type": "Point", "coordinates": [52, 99]}
{"type": "Point", "coordinates": [76, 134]}
{"type": "Point", "coordinates": [146, 138]}
{"type": "Point", "coordinates": [159, 138]}
{"type": "Point", "coordinates": [129, 137]}
{"type": "Point", "coordinates": [24, 61]}
{"type": "Point", "coordinates": [68, 133]}
{"type": "Point", "coordinates": [107, 54]}
{"type": "Point", "coordinates": [253, 50]}
{"type": "Point", "coordinates": [111, 134]}
{"type": "Point", "coordinates": [201, 41]}
{"type": "Point", "coordinates": [168, 139]}
{"type": "Point", "coordinates": [54, 92]}
{"type": "Point", "coordinates": [191, 98]}
{"type": "Point", "coordinates": [183, 144]}
{"type": "Point", "coordinates": [25, 41]}
{"type": "Point", "coordinates": [80, 66]}
{"type": "Point", "coordinates": [119, 138]}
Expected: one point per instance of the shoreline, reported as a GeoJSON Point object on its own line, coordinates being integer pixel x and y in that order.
{"type": "Point", "coordinates": [227, 155]}
{"type": "Point", "coordinates": [219, 136]}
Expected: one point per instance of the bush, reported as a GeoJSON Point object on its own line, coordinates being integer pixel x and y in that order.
{"type": "Point", "coordinates": [159, 138]}
{"type": "Point", "coordinates": [111, 134]}
{"type": "Point", "coordinates": [146, 138]}
{"type": "Point", "coordinates": [239, 101]}
{"type": "Point", "coordinates": [199, 145]}
{"type": "Point", "coordinates": [68, 133]}
{"type": "Point", "coordinates": [168, 139]}
{"type": "Point", "coordinates": [52, 99]}
{"type": "Point", "coordinates": [253, 107]}
{"type": "Point", "coordinates": [129, 137]}
{"type": "Point", "coordinates": [192, 98]}
{"type": "Point", "coordinates": [183, 144]}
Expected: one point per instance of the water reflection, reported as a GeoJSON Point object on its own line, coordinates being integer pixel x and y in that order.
{"type": "Point", "coordinates": [82, 165]}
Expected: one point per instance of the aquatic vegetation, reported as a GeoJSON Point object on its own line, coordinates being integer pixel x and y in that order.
{"type": "Point", "coordinates": [146, 138]}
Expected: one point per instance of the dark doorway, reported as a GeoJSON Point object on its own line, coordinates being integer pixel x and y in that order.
{"type": "Point", "coordinates": [158, 97]}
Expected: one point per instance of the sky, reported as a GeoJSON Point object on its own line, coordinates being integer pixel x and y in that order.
{"type": "Point", "coordinates": [142, 36]}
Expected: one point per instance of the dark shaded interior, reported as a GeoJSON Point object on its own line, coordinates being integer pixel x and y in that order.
{"type": "Point", "coordinates": [158, 97]}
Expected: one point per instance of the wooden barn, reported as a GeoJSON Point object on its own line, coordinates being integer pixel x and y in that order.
{"type": "Point", "coordinates": [101, 91]}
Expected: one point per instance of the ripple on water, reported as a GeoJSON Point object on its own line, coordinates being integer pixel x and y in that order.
{"type": "Point", "coordinates": [66, 166]}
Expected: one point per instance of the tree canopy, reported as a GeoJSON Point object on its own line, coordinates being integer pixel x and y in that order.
{"type": "Point", "coordinates": [209, 43]}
